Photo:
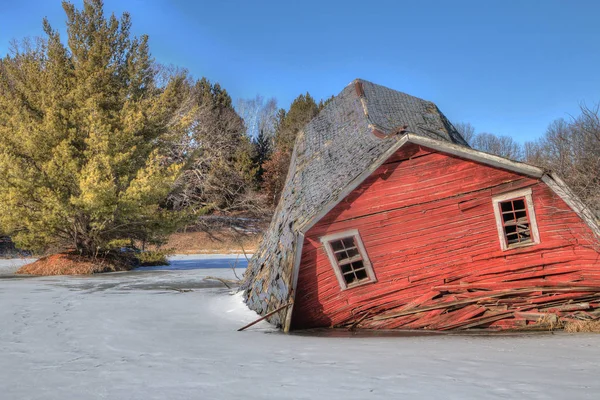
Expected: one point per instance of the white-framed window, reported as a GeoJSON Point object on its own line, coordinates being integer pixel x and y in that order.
{"type": "Point", "coordinates": [515, 219]}
{"type": "Point", "coordinates": [349, 259]}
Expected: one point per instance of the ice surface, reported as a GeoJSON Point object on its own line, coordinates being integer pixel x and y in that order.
{"type": "Point", "coordinates": [134, 335]}
{"type": "Point", "coordinates": [10, 266]}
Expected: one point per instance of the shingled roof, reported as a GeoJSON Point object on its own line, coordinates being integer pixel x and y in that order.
{"type": "Point", "coordinates": [357, 128]}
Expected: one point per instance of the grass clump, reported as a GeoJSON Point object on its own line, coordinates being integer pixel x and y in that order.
{"type": "Point", "coordinates": [153, 258]}
{"type": "Point", "coordinates": [582, 326]}
{"type": "Point", "coordinates": [121, 257]}
{"type": "Point", "coordinates": [73, 264]}
{"type": "Point", "coordinates": [550, 322]}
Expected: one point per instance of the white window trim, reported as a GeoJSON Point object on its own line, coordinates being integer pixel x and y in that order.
{"type": "Point", "coordinates": [535, 235]}
{"type": "Point", "coordinates": [325, 240]}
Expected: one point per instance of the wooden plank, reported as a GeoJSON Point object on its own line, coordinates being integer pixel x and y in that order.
{"type": "Point", "coordinates": [475, 322]}
{"type": "Point", "coordinates": [567, 307]}
{"type": "Point", "coordinates": [553, 297]}
{"type": "Point", "coordinates": [464, 314]}
{"type": "Point", "coordinates": [532, 315]}
{"type": "Point", "coordinates": [448, 304]}
{"type": "Point", "coordinates": [425, 319]}
{"type": "Point", "coordinates": [420, 300]}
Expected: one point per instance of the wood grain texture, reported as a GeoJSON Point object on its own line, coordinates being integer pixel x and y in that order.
{"type": "Point", "coordinates": [427, 223]}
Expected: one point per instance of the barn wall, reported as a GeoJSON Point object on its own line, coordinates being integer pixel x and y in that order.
{"type": "Point", "coordinates": [426, 219]}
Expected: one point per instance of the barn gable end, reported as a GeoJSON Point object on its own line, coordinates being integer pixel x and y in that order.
{"type": "Point", "coordinates": [426, 220]}
{"type": "Point", "coordinates": [356, 134]}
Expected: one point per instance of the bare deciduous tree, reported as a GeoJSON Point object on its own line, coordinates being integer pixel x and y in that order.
{"type": "Point", "coordinates": [258, 115]}
{"type": "Point", "coordinates": [569, 148]}
{"type": "Point", "coordinates": [213, 144]}
{"type": "Point", "coordinates": [503, 146]}
{"type": "Point", "coordinates": [466, 130]}
{"type": "Point", "coordinates": [572, 150]}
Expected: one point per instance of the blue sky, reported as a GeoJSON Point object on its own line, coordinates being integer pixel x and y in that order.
{"type": "Point", "coordinates": [508, 67]}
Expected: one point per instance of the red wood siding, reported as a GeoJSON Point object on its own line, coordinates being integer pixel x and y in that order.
{"type": "Point", "coordinates": [427, 220]}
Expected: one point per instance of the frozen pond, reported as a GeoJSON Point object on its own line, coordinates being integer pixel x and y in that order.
{"type": "Point", "coordinates": [10, 266]}
{"type": "Point", "coordinates": [141, 335]}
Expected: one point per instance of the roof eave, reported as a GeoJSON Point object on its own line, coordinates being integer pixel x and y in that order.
{"type": "Point", "coordinates": [477, 155]}
{"type": "Point", "coordinates": [563, 191]}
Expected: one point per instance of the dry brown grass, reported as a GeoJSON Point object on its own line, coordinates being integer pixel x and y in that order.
{"type": "Point", "coordinates": [222, 240]}
{"type": "Point", "coordinates": [218, 241]}
{"type": "Point", "coordinates": [584, 326]}
{"type": "Point", "coordinates": [550, 322]}
{"type": "Point", "coordinates": [71, 264]}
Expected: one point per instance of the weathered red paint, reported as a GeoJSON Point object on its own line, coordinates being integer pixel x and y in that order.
{"type": "Point", "coordinates": [427, 222]}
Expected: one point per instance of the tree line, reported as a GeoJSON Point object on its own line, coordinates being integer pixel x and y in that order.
{"type": "Point", "coordinates": [570, 148]}
{"type": "Point", "coordinates": [101, 144]}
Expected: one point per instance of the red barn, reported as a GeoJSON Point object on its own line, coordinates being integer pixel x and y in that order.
{"type": "Point", "coordinates": [389, 220]}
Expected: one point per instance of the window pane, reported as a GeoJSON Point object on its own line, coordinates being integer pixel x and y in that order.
{"type": "Point", "coordinates": [349, 278]}
{"type": "Point", "coordinates": [346, 268]}
{"type": "Point", "coordinates": [357, 265]}
{"type": "Point", "coordinates": [352, 252]}
{"type": "Point", "coordinates": [336, 245]}
{"type": "Point", "coordinates": [508, 217]}
{"type": "Point", "coordinates": [512, 238]}
{"type": "Point", "coordinates": [521, 214]}
{"type": "Point", "coordinates": [506, 206]}
{"type": "Point", "coordinates": [519, 204]}
{"type": "Point", "coordinates": [525, 235]}
{"type": "Point", "coordinates": [361, 274]}
{"type": "Point", "coordinates": [348, 242]}
{"type": "Point", "coordinates": [342, 255]}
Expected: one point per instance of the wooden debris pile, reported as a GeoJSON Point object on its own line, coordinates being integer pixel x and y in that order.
{"type": "Point", "coordinates": [507, 305]}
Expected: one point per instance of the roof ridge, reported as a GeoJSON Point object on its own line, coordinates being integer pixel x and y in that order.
{"type": "Point", "coordinates": [381, 132]}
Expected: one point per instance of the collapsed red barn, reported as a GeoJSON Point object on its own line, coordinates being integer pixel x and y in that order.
{"type": "Point", "coordinates": [388, 220]}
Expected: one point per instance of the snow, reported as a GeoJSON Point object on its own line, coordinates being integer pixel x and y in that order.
{"type": "Point", "coordinates": [10, 266]}
{"type": "Point", "coordinates": [137, 335]}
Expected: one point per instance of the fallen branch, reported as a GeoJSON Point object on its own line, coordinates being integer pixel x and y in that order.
{"type": "Point", "coordinates": [265, 317]}
{"type": "Point", "coordinates": [233, 266]}
{"type": "Point", "coordinates": [181, 290]}
{"type": "Point", "coordinates": [225, 282]}
{"type": "Point", "coordinates": [361, 319]}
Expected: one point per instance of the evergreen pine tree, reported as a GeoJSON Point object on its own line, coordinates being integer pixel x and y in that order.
{"type": "Point", "coordinates": [262, 152]}
{"type": "Point", "coordinates": [81, 128]}
{"type": "Point", "coordinates": [302, 110]}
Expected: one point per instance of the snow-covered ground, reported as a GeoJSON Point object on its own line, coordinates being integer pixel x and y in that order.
{"type": "Point", "coordinates": [10, 266]}
{"type": "Point", "coordinates": [136, 335]}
